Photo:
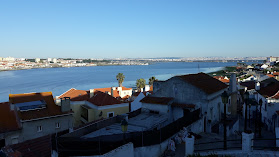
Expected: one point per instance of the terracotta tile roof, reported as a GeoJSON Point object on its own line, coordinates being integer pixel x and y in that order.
{"type": "Point", "coordinates": [222, 79]}
{"type": "Point", "coordinates": [269, 90]}
{"type": "Point", "coordinates": [75, 95]}
{"type": "Point", "coordinates": [276, 73]}
{"type": "Point", "coordinates": [33, 148]}
{"type": "Point", "coordinates": [8, 120]}
{"type": "Point", "coordinates": [183, 105]}
{"type": "Point", "coordinates": [125, 88]}
{"type": "Point", "coordinates": [103, 99]}
{"type": "Point", "coordinates": [270, 75]}
{"type": "Point", "coordinates": [204, 82]}
{"type": "Point", "coordinates": [51, 110]}
{"type": "Point", "coordinates": [104, 90]}
{"type": "Point", "coordinates": [156, 100]}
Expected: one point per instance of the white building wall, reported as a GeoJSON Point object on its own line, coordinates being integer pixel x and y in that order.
{"type": "Point", "coordinates": [136, 104]}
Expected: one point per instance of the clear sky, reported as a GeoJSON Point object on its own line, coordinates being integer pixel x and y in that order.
{"type": "Point", "coordinates": [138, 28]}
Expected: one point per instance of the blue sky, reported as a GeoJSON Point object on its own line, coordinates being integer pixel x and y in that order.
{"type": "Point", "coordinates": [138, 28]}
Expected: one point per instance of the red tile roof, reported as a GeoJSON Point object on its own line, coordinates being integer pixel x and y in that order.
{"type": "Point", "coordinates": [8, 120]}
{"type": "Point", "coordinates": [156, 100]}
{"type": "Point", "coordinates": [204, 82]}
{"type": "Point", "coordinates": [270, 75]}
{"type": "Point", "coordinates": [34, 148]}
{"type": "Point", "coordinates": [269, 90]}
{"type": "Point", "coordinates": [75, 95]}
{"type": "Point", "coordinates": [222, 79]}
{"type": "Point", "coordinates": [183, 105]}
{"type": "Point", "coordinates": [276, 73]}
{"type": "Point", "coordinates": [51, 110]}
{"type": "Point", "coordinates": [104, 90]}
{"type": "Point", "coordinates": [103, 99]}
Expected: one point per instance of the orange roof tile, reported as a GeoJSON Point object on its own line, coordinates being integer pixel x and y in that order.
{"type": "Point", "coordinates": [103, 99]}
{"type": "Point", "coordinates": [204, 82]}
{"type": "Point", "coordinates": [75, 95]}
{"type": "Point", "coordinates": [51, 110]}
{"type": "Point", "coordinates": [8, 120]}
{"type": "Point", "coordinates": [125, 88]}
{"type": "Point", "coordinates": [270, 75]}
{"type": "Point", "coordinates": [276, 73]}
{"type": "Point", "coordinates": [104, 90]}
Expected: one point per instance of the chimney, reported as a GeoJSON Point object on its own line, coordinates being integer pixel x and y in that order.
{"type": "Point", "coordinates": [111, 91]}
{"type": "Point", "coordinates": [91, 91]}
{"type": "Point", "coordinates": [65, 104]}
{"type": "Point", "coordinates": [119, 88]}
{"type": "Point", "coordinates": [146, 88]}
{"type": "Point", "coordinates": [57, 100]}
{"type": "Point", "coordinates": [258, 86]}
{"type": "Point", "coordinates": [233, 83]}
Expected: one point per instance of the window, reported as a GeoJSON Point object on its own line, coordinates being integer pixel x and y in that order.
{"type": "Point", "coordinates": [110, 114]}
{"type": "Point", "coordinates": [57, 125]}
{"type": "Point", "coordinates": [14, 140]}
{"type": "Point", "coordinates": [39, 128]}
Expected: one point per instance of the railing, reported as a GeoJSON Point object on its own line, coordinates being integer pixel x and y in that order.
{"type": "Point", "coordinates": [235, 144]}
{"type": "Point", "coordinates": [265, 144]}
{"type": "Point", "coordinates": [103, 144]}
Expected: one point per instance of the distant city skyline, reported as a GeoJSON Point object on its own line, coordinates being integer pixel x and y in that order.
{"type": "Point", "coordinates": [138, 29]}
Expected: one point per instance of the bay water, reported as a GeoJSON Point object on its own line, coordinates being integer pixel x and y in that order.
{"type": "Point", "coordinates": [59, 80]}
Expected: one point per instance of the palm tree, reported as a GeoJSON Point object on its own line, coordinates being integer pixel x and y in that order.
{"type": "Point", "coordinates": [140, 83]}
{"type": "Point", "coordinates": [120, 78]}
{"type": "Point", "coordinates": [152, 79]}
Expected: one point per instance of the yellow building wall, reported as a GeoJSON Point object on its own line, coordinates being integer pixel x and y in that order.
{"type": "Point", "coordinates": [117, 111]}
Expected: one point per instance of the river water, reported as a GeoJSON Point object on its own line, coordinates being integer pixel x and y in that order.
{"type": "Point", "coordinates": [59, 80]}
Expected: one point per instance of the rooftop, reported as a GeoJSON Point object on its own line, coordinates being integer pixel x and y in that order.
{"type": "Point", "coordinates": [102, 99]}
{"type": "Point", "coordinates": [269, 90]}
{"type": "Point", "coordinates": [51, 108]}
{"type": "Point", "coordinates": [204, 82]}
{"type": "Point", "coordinates": [8, 121]}
{"type": "Point", "coordinates": [141, 122]}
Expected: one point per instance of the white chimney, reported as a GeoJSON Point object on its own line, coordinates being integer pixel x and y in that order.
{"type": "Point", "coordinates": [119, 88]}
{"type": "Point", "coordinates": [258, 86]}
{"type": "Point", "coordinates": [113, 88]}
{"type": "Point", "coordinates": [57, 100]}
{"type": "Point", "coordinates": [146, 88]}
{"type": "Point", "coordinates": [91, 91]}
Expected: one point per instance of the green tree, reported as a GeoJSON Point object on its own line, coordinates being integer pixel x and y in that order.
{"type": "Point", "coordinates": [141, 83]}
{"type": "Point", "coordinates": [152, 79]}
{"type": "Point", "coordinates": [120, 78]}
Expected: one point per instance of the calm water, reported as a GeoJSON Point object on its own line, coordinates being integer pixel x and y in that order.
{"type": "Point", "coordinates": [59, 80]}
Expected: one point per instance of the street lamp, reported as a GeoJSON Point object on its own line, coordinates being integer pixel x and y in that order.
{"type": "Point", "coordinates": [260, 123]}
{"type": "Point", "coordinates": [225, 98]}
{"type": "Point", "coordinates": [249, 115]}
{"type": "Point", "coordinates": [246, 98]}
{"type": "Point", "coordinates": [124, 127]}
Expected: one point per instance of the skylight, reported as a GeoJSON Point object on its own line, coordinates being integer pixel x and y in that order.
{"type": "Point", "coordinates": [33, 105]}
